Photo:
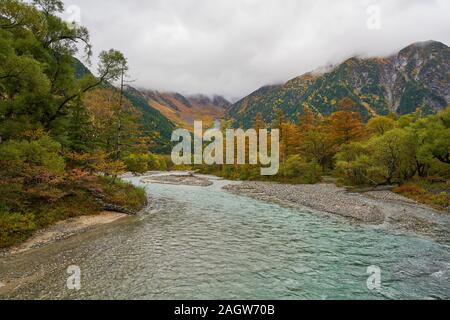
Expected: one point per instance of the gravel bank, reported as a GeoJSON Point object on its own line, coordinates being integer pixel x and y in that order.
{"type": "Point", "coordinates": [374, 208]}
{"type": "Point", "coordinates": [179, 179]}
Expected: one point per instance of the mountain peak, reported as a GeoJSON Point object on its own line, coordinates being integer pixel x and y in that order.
{"type": "Point", "coordinates": [424, 47]}
{"type": "Point", "coordinates": [427, 44]}
{"type": "Point", "coordinates": [416, 77]}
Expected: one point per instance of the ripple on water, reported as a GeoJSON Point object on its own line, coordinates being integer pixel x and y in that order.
{"type": "Point", "coordinates": [204, 243]}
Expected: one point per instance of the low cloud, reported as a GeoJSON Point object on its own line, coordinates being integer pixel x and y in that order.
{"type": "Point", "coordinates": [234, 47]}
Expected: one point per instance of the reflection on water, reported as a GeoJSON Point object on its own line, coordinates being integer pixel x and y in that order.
{"type": "Point", "coordinates": [204, 243]}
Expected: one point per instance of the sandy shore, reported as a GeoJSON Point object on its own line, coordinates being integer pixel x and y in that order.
{"type": "Point", "coordinates": [63, 230]}
{"type": "Point", "coordinates": [374, 208]}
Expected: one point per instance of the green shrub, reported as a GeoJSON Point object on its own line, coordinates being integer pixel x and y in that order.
{"type": "Point", "coordinates": [15, 227]}
{"type": "Point", "coordinates": [124, 194]}
{"type": "Point", "coordinates": [22, 157]}
{"type": "Point", "coordinates": [420, 194]}
{"type": "Point", "coordinates": [298, 170]}
{"type": "Point", "coordinates": [137, 163]}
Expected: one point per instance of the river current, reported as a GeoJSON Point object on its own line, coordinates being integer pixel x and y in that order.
{"type": "Point", "coordinates": [205, 243]}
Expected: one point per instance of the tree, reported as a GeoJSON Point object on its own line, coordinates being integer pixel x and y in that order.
{"type": "Point", "coordinates": [307, 120]}
{"type": "Point", "coordinates": [318, 147]}
{"type": "Point", "coordinates": [346, 125]}
{"type": "Point", "coordinates": [280, 124]}
{"type": "Point", "coordinates": [115, 124]}
{"type": "Point", "coordinates": [38, 87]}
{"type": "Point", "coordinates": [380, 125]}
{"type": "Point", "coordinates": [435, 131]}
{"type": "Point", "coordinates": [137, 163]}
{"type": "Point", "coordinates": [355, 166]}
{"type": "Point", "coordinates": [259, 122]}
{"type": "Point", "coordinates": [292, 139]}
{"type": "Point", "coordinates": [301, 171]}
{"type": "Point", "coordinates": [53, 157]}
{"type": "Point", "coordinates": [395, 152]}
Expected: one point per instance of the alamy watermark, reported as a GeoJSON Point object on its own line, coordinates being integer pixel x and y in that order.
{"type": "Point", "coordinates": [74, 280]}
{"type": "Point", "coordinates": [374, 17]}
{"type": "Point", "coordinates": [374, 280]}
{"type": "Point", "coordinates": [236, 142]}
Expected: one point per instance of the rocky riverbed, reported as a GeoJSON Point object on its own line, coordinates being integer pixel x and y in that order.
{"type": "Point", "coordinates": [182, 178]}
{"type": "Point", "coordinates": [374, 207]}
{"type": "Point", "coordinates": [190, 235]}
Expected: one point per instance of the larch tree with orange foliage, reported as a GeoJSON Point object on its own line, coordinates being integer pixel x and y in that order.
{"type": "Point", "coordinates": [307, 120]}
{"type": "Point", "coordinates": [346, 123]}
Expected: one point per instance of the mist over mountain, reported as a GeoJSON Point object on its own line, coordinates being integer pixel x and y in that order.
{"type": "Point", "coordinates": [417, 77]}
{"type": "Point", "coordinates": [184, 110]}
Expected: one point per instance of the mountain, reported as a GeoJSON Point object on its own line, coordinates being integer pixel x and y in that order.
{"type": "Point", "coordinates": [153, 123]}
{"type": "Point", "coordinates": [184, 110]}
{"type": "Point", "coordinates": [416, 77]}
{"type": "Point", "coordinates": [80, 69]}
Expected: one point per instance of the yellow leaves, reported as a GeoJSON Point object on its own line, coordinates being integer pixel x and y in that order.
{"type": "Point", "coordinates": [102, 164]}
{"type": "Point", "coordinates": [380, 125]}
{"type": "Point", "coordinates": [101, 105]}
{"type": "Point", "coordinates": [33, 134]}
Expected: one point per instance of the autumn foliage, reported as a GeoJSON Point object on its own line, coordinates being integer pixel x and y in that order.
{"type": "Point", "coordinates": [64, 135]}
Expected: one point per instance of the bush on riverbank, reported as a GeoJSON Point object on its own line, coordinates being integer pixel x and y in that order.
{"type": "Point", "coordinates": [430, 194]}
{"type": "Point", "coordinates": [294, 171]}
{"type": "Point", "coordinates": [73, 196]}
{"type": "Point", "coordinates": [385, 151]}
{"type": "Point", "coordinates": [124, 194]}
{"type": "Point", "coordinates": [142, 163]}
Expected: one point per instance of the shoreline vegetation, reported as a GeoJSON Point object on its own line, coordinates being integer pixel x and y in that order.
{"type": "Point", "coordinates": [411, 153]}
{"type": "Point", "coordinates": [86, 200]}
{"type": "Point", "coordinates": [65, 133]}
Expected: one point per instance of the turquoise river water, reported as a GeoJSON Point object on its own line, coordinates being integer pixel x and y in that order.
{"type": "Point", "coordinates": [205, 243]}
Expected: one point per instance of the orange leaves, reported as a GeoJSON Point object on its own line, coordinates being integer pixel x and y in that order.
{"type": "Point", "coordinates": [346, 124]}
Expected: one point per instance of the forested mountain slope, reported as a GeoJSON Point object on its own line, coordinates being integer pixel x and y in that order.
{"type": "Point", "coordinates": [416, 77]}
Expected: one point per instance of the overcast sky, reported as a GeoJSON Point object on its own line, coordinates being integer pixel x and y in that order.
{"type": "Point", "coordinates": [233, 47]}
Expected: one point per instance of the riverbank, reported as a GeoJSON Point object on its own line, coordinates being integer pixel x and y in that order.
{"type": "Point", "coordinates": [207, 243]}
{"type": "Point", "coordinates": [63, 230]}
{"type": "Point", "coordinates": [373, 207]}
{"type": "Point", "coordinates": [181, 178]}
{"type": "Point", "coordinates": [31, 209]}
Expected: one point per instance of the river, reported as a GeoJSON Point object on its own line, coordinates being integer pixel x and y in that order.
{"type": "Point", "coordinates": [205, 243]}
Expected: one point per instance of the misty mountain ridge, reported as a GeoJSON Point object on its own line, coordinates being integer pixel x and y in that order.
{"type": "Point", "coordinates": [184, 110]}
{"type": "Point", "coordinates": [416, 77]}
